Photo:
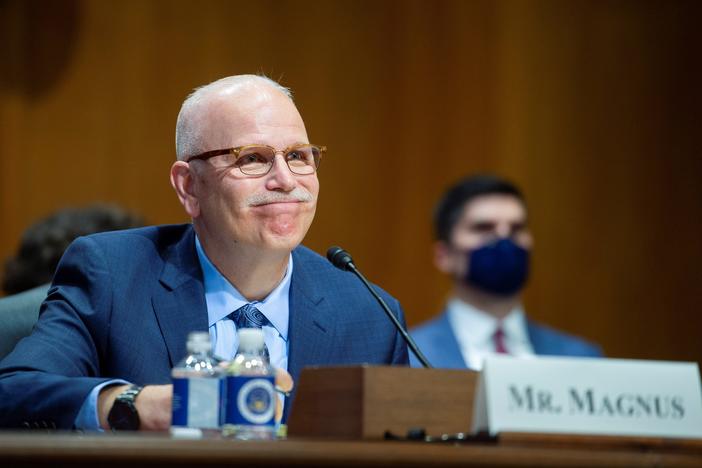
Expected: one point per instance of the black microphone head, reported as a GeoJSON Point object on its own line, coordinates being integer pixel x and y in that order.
{"type": "Point", "coordinates": [339, 258]}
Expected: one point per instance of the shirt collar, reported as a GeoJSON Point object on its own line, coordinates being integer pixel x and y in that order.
{"type": "Point", "coordinates": [515, 326]}
{"type": "Point", "coordinates": [223, 298]}
{"type": "Point", "coordinates": [477, 326]}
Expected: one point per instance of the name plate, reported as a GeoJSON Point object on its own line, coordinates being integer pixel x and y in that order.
{"type": "Point", "coordinates": [589, 396]}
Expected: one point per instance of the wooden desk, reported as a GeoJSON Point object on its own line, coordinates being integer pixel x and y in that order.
{"type": "Point", "coordinates": [136, 450]}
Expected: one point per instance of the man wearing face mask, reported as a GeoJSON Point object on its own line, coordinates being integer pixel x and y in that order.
{"type": "Point", "coordinates": [483, 243]}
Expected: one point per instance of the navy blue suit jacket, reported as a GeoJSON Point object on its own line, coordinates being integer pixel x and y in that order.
{"type": "Point", "coordinates": [122, 304]}
{"type": "Point", "coordinates": [437, 341]}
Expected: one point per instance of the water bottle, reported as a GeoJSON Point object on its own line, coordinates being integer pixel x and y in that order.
{"type": "Point", "coordinates": [251, 398]}
{"type": "Point", "coordinates": [197, 389]}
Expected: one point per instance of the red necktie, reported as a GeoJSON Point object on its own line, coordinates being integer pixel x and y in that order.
{"type": "Point", "coordinates": [499, 339]}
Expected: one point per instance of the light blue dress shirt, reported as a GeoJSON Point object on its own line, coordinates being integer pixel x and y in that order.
{"type": "Point", "coordinates": [222, 298]}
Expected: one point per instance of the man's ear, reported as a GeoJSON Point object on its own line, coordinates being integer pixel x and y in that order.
{"type": "Point", "coordinates": [183, 182]}
{"type": "Point", "coordinates": [443, 260]}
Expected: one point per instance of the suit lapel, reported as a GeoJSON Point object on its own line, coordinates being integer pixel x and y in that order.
{"type": "Point", "coordinates": [311, 329]}
{"type": "Point", "coordinates": [538, 344]}
{"type": "Point", "coordinates": [179, 304]}
{"type": "Point", "coordinates": [180, 308]}
{"type": "Point", "coordinates": [311, 332]}
{"type": "Point", "coordinates": [446, 340]}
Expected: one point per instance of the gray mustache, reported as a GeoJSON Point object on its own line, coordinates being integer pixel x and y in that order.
{"type": "Point", "coordinates": [296, 195]}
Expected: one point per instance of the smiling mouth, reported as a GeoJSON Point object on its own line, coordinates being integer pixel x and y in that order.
{"type": "Point", "coordinates": [278, 202]}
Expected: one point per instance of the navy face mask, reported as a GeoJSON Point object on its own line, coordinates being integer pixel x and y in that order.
{"type": "Point", "coordinates": [500, 268]}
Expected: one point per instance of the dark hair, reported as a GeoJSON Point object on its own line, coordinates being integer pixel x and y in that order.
{"type": "Point", "coordinates": [449, 208]}
{"type": "Point", "coordinates": [43, 243]}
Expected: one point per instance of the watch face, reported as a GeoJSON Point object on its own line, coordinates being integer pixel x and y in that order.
{"type": "Point", "coordinates": [123, 416]}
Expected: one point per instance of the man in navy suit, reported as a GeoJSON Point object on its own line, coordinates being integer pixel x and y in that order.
{"type": "Point", "coordinates": [120, 307]}
{"type": "Point", "coordinates": [483, 243]}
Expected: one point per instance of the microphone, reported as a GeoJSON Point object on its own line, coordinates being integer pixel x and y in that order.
{"type": "Point", "coordinates": [343, 261]}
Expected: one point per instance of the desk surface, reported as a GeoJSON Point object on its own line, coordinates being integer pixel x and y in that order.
{"type": "Point", "coordinates": [134, 450]}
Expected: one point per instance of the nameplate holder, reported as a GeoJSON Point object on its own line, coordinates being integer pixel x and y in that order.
{"type": "Point", "coordinates": [587, 396]}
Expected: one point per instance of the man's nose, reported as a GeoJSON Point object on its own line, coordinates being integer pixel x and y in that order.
{"type": "Point", "coordinates": [503, 231]}
{"type": "Point", "coordinates": [280, 177]}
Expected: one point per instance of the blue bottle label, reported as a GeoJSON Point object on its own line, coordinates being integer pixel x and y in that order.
{"type": "Point", "coordinates": [180, 402]}
{"type": "Point", "coordinates": [196, 402]}
{"type": "Point", "coordinates": [250, 400]}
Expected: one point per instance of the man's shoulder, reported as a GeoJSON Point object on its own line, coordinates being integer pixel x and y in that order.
{"type": "Point", "coordinates": [139, 251]}
{"type": "Point", "coordinates": [311, 266]}
{"type": "Point", "coordinates": [432, 328]}
{"type": "Point", "coordinates": [307, 254]}
{"type": "Point", "coordinates": [436, 339]}
{"type": "Point", "coordinates": [304, 257]}
{"type": "Point", "coordinates": [310, 263]}
{"type": "Point", "coordinates": [550, 341]}
{"type": "Point", "coordinates": [150, 238]}
{"type": "Point", "coordinates": [163, 234]}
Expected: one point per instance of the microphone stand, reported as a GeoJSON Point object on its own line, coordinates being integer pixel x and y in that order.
{"type": "Point", "coordinates": [342, 260]}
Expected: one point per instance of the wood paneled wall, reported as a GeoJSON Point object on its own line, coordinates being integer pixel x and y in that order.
{"type": "Point", "coordinates": [592, 107]}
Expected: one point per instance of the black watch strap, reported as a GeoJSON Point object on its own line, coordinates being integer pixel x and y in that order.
{"type": "Point", "coordinates": [124, 416]}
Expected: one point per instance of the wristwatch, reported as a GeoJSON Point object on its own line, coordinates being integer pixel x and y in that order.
{"type": "Point", "coordinates": [124, 416]}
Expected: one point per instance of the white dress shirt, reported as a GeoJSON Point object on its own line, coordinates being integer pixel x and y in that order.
{"type": "Point", "coordinates": [475, 329]}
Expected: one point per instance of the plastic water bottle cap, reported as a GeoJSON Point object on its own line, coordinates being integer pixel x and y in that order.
{"type": "Point", "coordinates": [250, 338]}
{"type": "Point", "coordinates": [198, 336]}
{"type": "Point", "coordinates": [199, 342]}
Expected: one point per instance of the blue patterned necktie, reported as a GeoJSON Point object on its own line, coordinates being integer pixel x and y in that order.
{"type": "Point", "coordinates": [248, 316]}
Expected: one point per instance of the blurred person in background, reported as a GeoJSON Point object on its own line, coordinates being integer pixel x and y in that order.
{"type": "Point", "coordinates": [28, 273]}
{"type": "Point", "coordinates": [484, 244]}
{"type": "Point", "coordinates": [43, 243]}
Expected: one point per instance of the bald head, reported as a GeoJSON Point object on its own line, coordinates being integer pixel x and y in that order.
{"type": "Point", "coordinates": [242, 219]}
{"type": "Point", "coordinates": [227, 102]}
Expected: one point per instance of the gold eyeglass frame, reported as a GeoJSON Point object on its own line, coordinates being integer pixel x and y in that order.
{"type": "Point", "coordinates": [237, 150]}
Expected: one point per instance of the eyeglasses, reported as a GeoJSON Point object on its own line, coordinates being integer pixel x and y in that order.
{"type": "Point", "coordinates": [257, 160]}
